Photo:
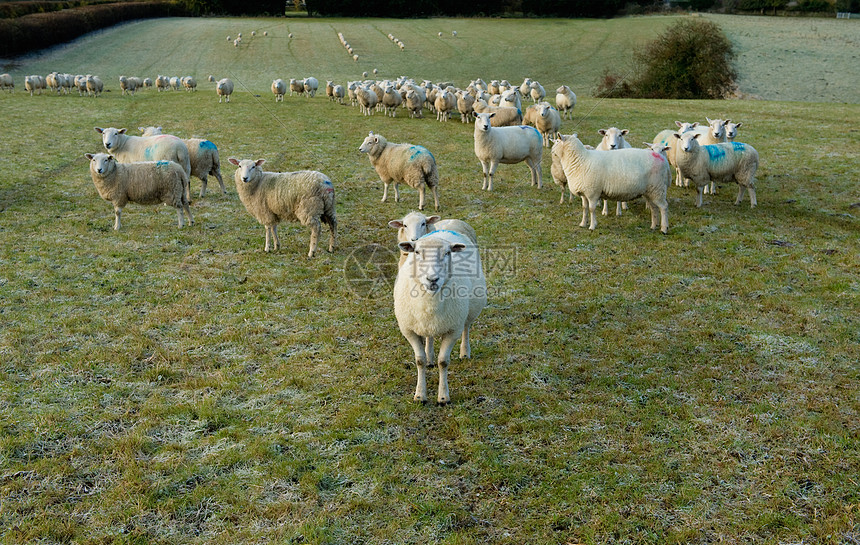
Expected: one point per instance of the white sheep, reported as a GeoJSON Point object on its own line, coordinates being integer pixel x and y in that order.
{"type": "Point", "coordinates": [505, 116]}
{"type": "Point", "coordinates": [620, 175]}
{"type": "Point", "coordinates": [147, 82]}
{"type": "Point", "coordinates": [224, 88]}
{"type": "Point", "coordinates": [507, 145]}
{"type": "Point", "coordinates": [665, 138]}
{"type": "Point", "coordinates": [703, 165]}
{"type": "Point", "coordinates": [732, 130]}
{"type": "Point", "coordinates": [444, 103]}
{"type": "Point", "coordinates": [329, 89]}
{"type": "Point", "coordinates": [439, 292]}
{"type": "Point", "coordinates": [558, 176]}
{"type": "Point", "coordinates": [466, 106]}
{"type": "Point", "coordinates": [410, 164]}
{"type": "Point", "coordinates": [548, 122]}
{"type": "Point", "coordinates": [175, 82]}
{"type": "Point", "coordinates": [511, 99]}
{"type": "Point", "coordinates": [613, 139]}
{"type": "Point", "coordinates": [311, 84]}
{"type": "Point", "coordinates": [7, 83]}
{"type": "Point", "coordinates": [339, 93]}
{"type": "Point", "coordinates": [537, 92]}
{"type": "Point", "coordinates": [279, 89]}
{"type": "Point", "coordinates": [149, 182]}
{"type": "Point", "coordinates": [565, 101]}
{"type": "Point", "coordinates": [306, 196]}
{"type": "Point", "coordinates": [189, 82]}
{"type": "Point", "coordinates": [203, 156]}
{"type": "Point", "coordinates": [367, 100]}
{"type": "Point", "coordinates": [161, 83]}
{"type": "Point", "coordinates": [31, 85]}
{"type": "Point", "coordinates": [415, 225]}
{"type": "Point", "coordinates": [297, 86]}
{"type": "Point", "coordinates": [415, 103]}
{"type": "Point", "coordinates": [127, 85]}
{"type": "Point", "coordinates": [391, 99]}
{"type": "Point", "coordinates": [525, 87]}
{"type": "Point", "coordinates": [714, 133]}
{"type": "Point", "coordinates": [95, 86]}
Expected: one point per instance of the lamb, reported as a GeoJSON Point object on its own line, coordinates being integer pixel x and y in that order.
{"type": "Point", "coordinates": [297, 86]}
{"type": "Point", "coordinates": [149, 182]}
{"type": "Point", "coordinates": [732, 130]}
{"type": "Point", "coordinates": [203, 156]}
{"type": "Point", "coordinates": [224, 88]}
{"type": "Point", "coordinates": [402, 163]}
{"type": "Point", "coordinates": [507, 145]}
{"type": "Point", "coordinates": [306, 196]}
{"type": "Point", "coordinates": [620, 175]}
{"type": "Point", "coordinates": [613, 138]}
{"type": "Point", "coordinates": [726, 160]}
{"type": "Point", "coordinates": [565, 101]}
{"type": "Point", "coordinates": [415, 225]}
{"type": "Point", "coordinates": [391, 99]}
{"type": "Point", "coordinates": [279, 88]}
{"type": "Point", "coordinates": [311, 85]}
{"type": "Point", "coordinates": [7, 83]}
{"type": "Point", "coordinates": [548, 122]}
{"type": "Point", "coordinates": [439, 292]}
{"type": "Point", "coordinates": [504, 116]}
{"type": "Point", "coordinates": [129, 149]}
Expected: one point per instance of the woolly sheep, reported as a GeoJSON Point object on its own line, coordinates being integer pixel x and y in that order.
{"type": "Point", "coordinates": [548, 122]}
{"type": "Point", "coordinates": [391, 99]}
{"type": "Point", "coordinates": [127, 85]}
{"type": "Point", "coordinates": [7, 83]}
{"type": "Point", "coordinates": [189, 82]}
{"type": "Point", "coordinates": [297, 86]}
{"type": "Point", "coordinates": [613, 139]}
{"type": "Point", "coordinates": [727, 160]}
{"type": "Point", "coordinates": [211, 78]}
{"type": "Point", "coordinates": [507, 145]}
{"type": "Point", "coordinates": [339, 93]}
{"type": "Point", "coordinates": [414, 103]}
{"type": "Point", "coordinates": [511, 99]}
{"type": "Point", "coordinates": [129, 149]}
{"type": "Point", "coordinates": [306, 196]}
{"type": "Point", "coordinates": [265, 33]}
{"type": "Point", "coordinates": [279, 88]}
{"type": "Point", "coordinates": [732, 130]}
{"type": "Point", "coordinates": [565, 101]}
{"type": "Point", "coordinates": [203, 156]}
{"type": "Point", "coordinates": [444, 103]}
{"type": "Point", "coordinates": [665, 138]}
{"type": "Point", "coordinates": [620, 175]}
{"type": "Point", "coordinates": [439, 292]}
{"type": "Point", "coordinates": [311, 84]}
{"type": "Point", "coordinates": [80, 84]}
{"type": "Point", "coordinates": [95, 86]}
{"type": "Point", "coordinates": [149, 182]}
{"type": "Point", "coordinates": [466, 106]}
{"type": "Point", "coordinates": [415, 225]}
{"type": "Point", "coordinates": [329, 89]}
{"type": "Point", "coordinates": [162, 83]}
{"type": "Point", "coordinates": [503, 116]}
{"type": "Point", "coordinates": [525, 87]}
{"type": "Point", "coordinates": [537, 92]}
{"type": "Point", "coordinates": [410, 164]}
{"type": "Point", "coordinates": [715, 133]}
{"type": "Point", "coordinates": [175, 82]}
{"type": "Point", "coordinates": [558, 176]}
{"type": "Point", "coordinates": [367, 100]}
{"type": "Point", "coordinates": [224, 88]}
{"type": "Point", "coordinates": [147, 82]}
{"type": "Point", "coordinates": [52, 82]}
{"type": "Point", "coordinates": [31, 85]}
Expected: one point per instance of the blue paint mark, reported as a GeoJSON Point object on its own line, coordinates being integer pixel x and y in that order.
{"type": "Point", "coordinates": [444, 231]}
{"type": "Point", "coordinates": [206, 144]}
{"type": "Point", "coordinates": [162, 164]}
{"type": "Point", "coordinates": [418, 151]}
{"type": "Point", "coordinates": [148, 153]}
{"type": "Point", "coordinates": [327, 182]}
{"type": "Point", "coordinates": [738, 146]}
{"type": "Point", "coordinates": [715, 153]}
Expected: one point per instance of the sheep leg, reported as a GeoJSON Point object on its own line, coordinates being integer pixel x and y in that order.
{"type": "Point", "coordinates": [584, 211]}
{"type": "Point", "coordinates": [204, 179]}
{"type": "Point", "coordinates": [428, 350]}
{"type": "Point", "coordinates": [181, 219]}
{"type": "Point", "coordinates": [384, 191]}
{"type": "Point", "coordinates": [592, 212]}
{"type": "Point", "coordinates": [484, 170]}
{"type": "Point", "coordinates": [420, 196]}
{"type": "Point", "coordinates": [332, 228]}
{"type": "Point", "coordinates": [315, 235]}
{"type": "Point", "coordinates": [605, 208]}
{"type": "Point", "coordinates": [217, 173]}
{"type": "Point", "coordinates": [713, 187]}
{"type": "Point", "coordinates": [417, 343]}
{"type": "Point", "coordinates": [534, 167]}
{"type": "Point", "coordinates": [465, 349]}
{"type": "Point", "coordinates": [741, 191]}
{"type": "Point", "coordinates": [699, 190]}
{"type": "Point", "coordinates": [188, 213]}
{"type": "Point", "coordinates": [436, 198]}
{"type": "Point", "coordinates": [268, 237]}
{"type": "Point", "coordinates": [397, 192]}
{"type": "Point", "coordinates": [117, 215]}
{"type": "Point", "coordinates": [753, 201]}
{"type": "Point", "coordinates": [562, 196]}
{"type": "Point", "coordinates": [448, 341]}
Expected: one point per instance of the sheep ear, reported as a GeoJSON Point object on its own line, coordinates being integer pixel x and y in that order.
{"type": "Point", "coordinates": [233, 161]}
{"type": "Point", "coordinates": [99, 130]}
{"type": "Point", "coordinates": [709, 120]}
{"type": "Point", "coordinates": [407, 247]}
{"type": "Point", "coordinates": [89, 156]}
{"type": "Point", "coordinates": [121, 131]}
{"type": "Point", "coordinates": [696, 136]}
{"type": "Point", "coordinates": [395, 224]}
{"type": "Point", "coordinates": [491, 115]}
{"type": "Point", "coordinates": [679, 124]}
{"type": "Point", "coordinates": [624, 132]}
{"type": "Point", "coordinates": [676, 135]}
{"type": "Point", "coordinates": [458, 247]}
{"type": "Point", "coordinates": [694, 125]}
{"type": "Point", "coordinates": [602, 132]}
{"type": "Point", "coordinates": [738, 126]}
{"type": "Point", "coordinates": [432, 219]}
{"type": "Point", "coordinates": [259, 162]}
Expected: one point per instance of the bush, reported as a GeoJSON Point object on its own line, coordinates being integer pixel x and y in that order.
{"type": "Point", "coordinates": [691, 59]}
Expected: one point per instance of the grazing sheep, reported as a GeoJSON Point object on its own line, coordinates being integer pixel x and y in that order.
{"type": "Point", "coordinates": [224, 88]}
{"type": "Point", "coordinates": [727, 160]}
{"type": "Point", "coordinates": [547, 122]}
{"type": "Point", "coordinates": [130, 149]}
{"type": "Point", "coordinates": [613, 139]}
{"type": "Point", "coordinates": [203, 156]}
{"type": "Point", "coordinates": [306, 196]}
{"type": "Point", "coordinates": [439, 292]}
{"type": "Point", "coordinates": [149, 182]}
{"type": "Point", "coordinates": [7, 83]}
{"type": "Point", "coordinates": [402, 163]}
{"type": "Point", "coordinates": [507, 145]}
{"type": "Point", "coordinates": [620, 175]}
{"type": "Point", "coordinates": [311, 84]}
{"type": "Point", "coordinates": [565, 101]}
{"type": "Point", "coordinates": [279, 88]}
{"type": "Point", "coordinates": [391, 99]}
{"type": "Point", "coordinates": [415, 225]}
{"type": "Point", "coordinates": [297, 86]}
{"type": "Point", "coordinates": [504, 116]}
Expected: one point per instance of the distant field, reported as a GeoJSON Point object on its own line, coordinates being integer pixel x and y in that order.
{"type": "Point", "coordinates": [163, 386]}
{"type": "Point", "coordinates": [779, 58]}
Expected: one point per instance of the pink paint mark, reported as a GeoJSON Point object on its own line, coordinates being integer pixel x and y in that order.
{"type": "Point", "coordinates": [657, 156]}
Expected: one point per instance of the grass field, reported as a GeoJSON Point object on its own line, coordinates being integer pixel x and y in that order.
{"type": "Point", "coordinates": [160, 385]}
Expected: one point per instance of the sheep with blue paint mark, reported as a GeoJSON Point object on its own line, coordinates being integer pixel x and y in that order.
{"type": "Point", "coordinates": [306, 196]}
{"type": "Point", "coordinates": [507, 145]}
{"type": "Point", "coordinates": [129, 149]}
{"type": "Point", "coordinates": [702, 165]}
{"type": "Point", "coordinates": [415, 225]}
{"type": "Point", "coordinates": [402, 163]}
{"type": "Point", "coordinates": [145, 182]}
{"type": "Point", "coordinates": [203, 156]}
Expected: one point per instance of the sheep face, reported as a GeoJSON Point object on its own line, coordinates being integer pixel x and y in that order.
{"type": "Point", "coordinates": [110, 137]}
{"type": "Point", "coordinates": [248, 169]}
{"type": "Point", "coordinates": [101, 163]}
{"type": "Point", "coordinates": [369, 143]}
{"type": "Point", "coordinates": [413, 226]}
{"type": "Point", "coordinates": [613, 137]}
{"type": "Point", "coordinates": [482, 123]}
{"type": "Point", "coordinates": [718, 127]}
{"type": "Point", "coordinates": [689, 141]}
{"type": "Point", "coordinates": [432, 266]}
{"type": "Point", "coordinates": [732, 129]}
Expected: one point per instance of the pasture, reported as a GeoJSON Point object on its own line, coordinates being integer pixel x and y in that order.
{"type": "Point", "coordinates": [160, 385]}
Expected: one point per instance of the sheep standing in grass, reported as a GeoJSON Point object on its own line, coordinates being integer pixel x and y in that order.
{"type": "Point", "coordinates": [391, 99]}
{"type": "Point", "coordinates": [505, 116]}
{"type": "Point", "coordinates": [189, 82]}
{"type": "Point", "coordinates": [7, 83]}
{"type": "Point", "coordinates": [439, 292]}
{"type": "Point", "coordinates": [558, 176]}
{"type": "Point", "coordinates": [161, 83]}
{"type": "Point", "coordinates": [297, 86]}
{"type": "Point", "coordinates": [415, 225]}
{"type": "Point", "coordinates": [367, 100]}
{"type": "Point", "coordinates": [665, 138]}
{"type": "Point", "coordinates": [444, 103]}
{"type": "Point", "coordinates": [565, 101]}
{"type": "Point", "coordinates": [547, 122]}
{"type": "Point", "coordinates": [620, 175]}
{"type": "Point", "coordinates": [224, 88]}
{"type": "Point", "coordinates": [329, 89]}
{"type": "Point", "coordinates": [415, 103]}
{"type": "Point", "coordinates": [306, 196]}
{"type": "Point", "coordinates": [507, 145]}
{"type": "Point", "coordinates": [149, 182]}
{"type": "Point", "coordinates": [311, 85]}
{"type": "Point", "coordinates": [95, 86]}
{"type": "Point", "coordinates": [613, 139]}
{"type": "Point", "coordinates": [203, 156]}
{"type": "Point", "coordinates": [727, 160]}
{"type": "Point", "coordinates": [339, 93]}
{"type": "Point", "coordinates": [466, 106]}
{"type": "Point", "coordinates": [279, 89]}
{"type": "Point", "coordinates": [412, 165]}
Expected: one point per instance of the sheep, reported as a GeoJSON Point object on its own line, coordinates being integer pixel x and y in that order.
{"type": "Point", "coordinates": [175, 82]}
{"type": "Point", "coordinates": [531, 114]}
{"type": "Point", "coordinates": [415, 225]}
{"type": "Point", "coordinates": [329, 89]}
{"type": "Point", "coordinates": [147, 82]}
{"type": "Point", "coordinates": [620, 175]}
{"type": "Point", "coordinates": [52, 83]}
{"type": "Point", "coordinates": [94, 86]}
{"type": "Point", "coordinates": [732, 130]}
{"type": "Point", "coordinates": [714, 134]}
{"type": "Point", "coordinates": [203, 156]}
{"type": "Point", "coordinates": [440, 290]}
{"type": "Point", "coordinates": [31, 85]}
{"type": "Point", "coordinates": [504, 116]}
{"type": "Point", "coordinates": [279, 88]}
{"type": "Point", "coordinates": [402, 163]}
{"type": "Point", "coordinates": [525, 87]}
{"type": "Point", "coordinates": [558, 176]}
{"type": "Point", "coordinates": [311, 84]}
{"type": "Point", "coordinates": [466, 106]}
{"type": "Point", "coordinates": [507, 145]}
{"type": "Point", "coordinates": [613, 138]}
{"type": "Point", "coordinates": [414, 103]}
{"type": "Point", "coordinates": [190, 83]}
{"type": "Point", "coordinates": [665, 138]}
{"type": "Point", "coordinates": [297, 86]}
{"type": "Point", "coordinates": [162, 83]}
{"type": "Point", "coordinates": [265, 33]}
{"type": "Point", "coordinates": [210, 78]}
{"type": "Point", "coordinates": [548, 122]}
{"type": "Point", "coordinates": [224, 88]}
{"type": "Point", "coordinates": [149, 182]}
{"type": "Point", "coordinates": [127, 86]}
{"type": "Point", "coordinates": [339, 93]}
{"type": "Point", "coordinates": [129, 149]}
{"type": "Point", "coordinates": [391, 99]}
{"type": "Point", "coordinates": [306, 196]}
{"type": "Point", "coordinates": [367, 100]}
{"type": "Point", "coordinates": [80, 84]}
{"type": "Point", "coordinates": [726, 160]}
{"type": "Point", "coordinates": [537, 92]}
{"type": "Point", "coordinates": [444, 103]}
{"type": "Point", "coordinates": [511, 99]}
{"type": "Point", "coordinates": [565, 101]}
{"type": "Point", "coordinates": [7, 83]}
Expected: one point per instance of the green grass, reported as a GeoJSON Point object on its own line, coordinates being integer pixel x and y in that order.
{"type": "Point", "coordinates": [160, 385]}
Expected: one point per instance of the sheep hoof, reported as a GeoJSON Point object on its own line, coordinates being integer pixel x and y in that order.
{"type": "Point", "coordinates": [443, 403]}
{"type": "Point", "coordinates": [420, 400]}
